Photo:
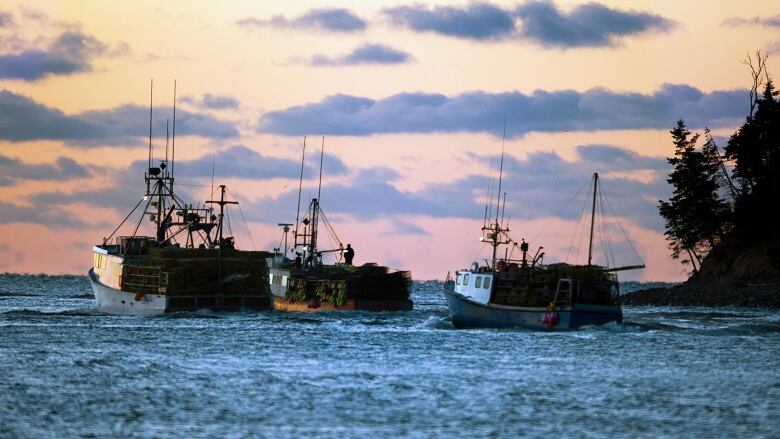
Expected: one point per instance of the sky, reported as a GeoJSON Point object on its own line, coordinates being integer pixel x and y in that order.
{"type": "Point", "coordinates": [414, 100]}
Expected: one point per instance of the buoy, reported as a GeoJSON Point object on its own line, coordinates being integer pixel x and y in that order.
{"type": "Point", "coordinates": [550, 318]}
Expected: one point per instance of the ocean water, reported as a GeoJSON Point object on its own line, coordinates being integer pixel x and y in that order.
{"type": "Point", "coordinates": [667, 372]}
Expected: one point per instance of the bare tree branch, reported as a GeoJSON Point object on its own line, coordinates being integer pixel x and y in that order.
{"type": "Point", "coordinates": [758, 73]}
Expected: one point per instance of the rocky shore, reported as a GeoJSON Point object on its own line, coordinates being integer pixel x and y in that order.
{"type": "Point", "coordinates": [761, 295]}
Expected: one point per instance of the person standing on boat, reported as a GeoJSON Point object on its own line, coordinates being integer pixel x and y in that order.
{"type": "Point", "coordinates": [349, 254]}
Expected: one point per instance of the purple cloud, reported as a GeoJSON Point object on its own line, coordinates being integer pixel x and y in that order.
{"type": "Point", "coordinates": [72, 52]}
{"type": "Point", "coordinates": [325, 19]}
{"type": "Point", "coordinates": [363, 55]}
{"type": "Point", "coordinates": [541, 111]}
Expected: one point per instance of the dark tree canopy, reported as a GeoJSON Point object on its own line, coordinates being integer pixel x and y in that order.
{"type": "Point", "coordinates": [696, 213]}
{"type": "Point", "coordinates": [755, 151]}
{"type": "Point", "coordinates": [708, 206]}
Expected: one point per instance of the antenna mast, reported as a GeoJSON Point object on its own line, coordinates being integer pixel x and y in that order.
{"type": "Point", "coordinates": [167, 138]}
{"type": "Point", "coordinates": [500, 175]}
{"type": "Point", "coordinates": [503, 209]}
{"type": "Point", "coordinates": [322, 155]}
{"type": "Point", "coordinates": [592, 217]}
{"type": "Point", "coordinates": [151, 93]}
{"type": "Point", "coordinates": [489, 200]}
{"type": "Point", "coordinates": [173, 140]}
{"type": "Point", "coordinates": [495, 229]}
{"type": "Point", "coordinates": [300, 188]}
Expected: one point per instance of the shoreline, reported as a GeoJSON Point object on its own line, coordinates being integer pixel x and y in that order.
{"type": "Point", "coordinates": [758, 295]}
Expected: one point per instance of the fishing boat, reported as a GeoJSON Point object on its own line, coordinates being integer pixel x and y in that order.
{"type": "Point", "coordinates": [188, 263]}
{"type": "Point", "coordinates": [526, 293]}
{"type": "Point", "coordinates": [306, 283]}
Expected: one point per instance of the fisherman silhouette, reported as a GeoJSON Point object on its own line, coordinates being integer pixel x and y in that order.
{"type": "Point", "coordinates": [298, 261]}
{"type": "Point", "coordinates": [349, 253]}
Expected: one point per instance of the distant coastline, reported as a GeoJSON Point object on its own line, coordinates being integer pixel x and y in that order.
{"type": "Point", "coordinates": [755, 295]}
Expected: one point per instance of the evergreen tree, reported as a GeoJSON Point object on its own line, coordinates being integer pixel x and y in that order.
{"type": "Point", "coordinates": [755, 150]}
{"type": "Point", "coordinates": [696, 213]}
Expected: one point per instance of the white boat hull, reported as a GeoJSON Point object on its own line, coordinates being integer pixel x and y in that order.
{"type": "Point", "coordinates": [112, 301]}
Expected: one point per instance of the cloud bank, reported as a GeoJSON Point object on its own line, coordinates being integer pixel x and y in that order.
{"type": "Point", "coordinates": [541, 111]}
{"type": "Point", "coordinates": [64, 168]}
{"type": "Point", "coordinates": [538, 187]}
{"type": "Point", "coordinates": [587, 25]}
{"type": "Point", "coordinates": [773, 21]}
{"type": "Point", "coordinates": [324, 19]}
{"type": "Point", "coordinates": [239, 161]}
{"type": "Point", "coordinates": [26, 120]}
{"type": "Point", "coordinates": [363, 55]}
{"type": "Point", "coordinates": [476, 21]}
{"type": "Point", "coordinates": [212, 102]}
{"type": "Point", "coordinates": [541, 22]}
{"type": "Point", "coordinates": [72, 52]}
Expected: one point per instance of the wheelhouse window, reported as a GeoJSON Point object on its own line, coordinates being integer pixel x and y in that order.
{"type": "Point", "coordinates": [486, 282]}
{"type": "Point", "coordinates": [459, 279]}
{"type": "Point", "coordinates": [465, 279]}
{"type": "Point", "coordinates": [478, 282]}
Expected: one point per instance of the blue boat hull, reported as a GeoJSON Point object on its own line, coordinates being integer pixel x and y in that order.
{"type": "Point", "coordinates": [469, 314]}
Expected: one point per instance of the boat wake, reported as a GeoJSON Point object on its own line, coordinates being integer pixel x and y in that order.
{"type": "Point", "coordinates": [83, 312]}
{"type": "Point", "coordinates": [436, 322]}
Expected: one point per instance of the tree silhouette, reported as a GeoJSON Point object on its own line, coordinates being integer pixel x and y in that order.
{"type": "Point", "coordinates": [755, 150]}
{"type": "Point", "coordinates": [696, 214]}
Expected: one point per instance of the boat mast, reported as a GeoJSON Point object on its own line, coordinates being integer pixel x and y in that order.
{"type": "Point", "coordinates": [496, 229]}
{"type": "Point", "coordinates": [500, 175]}
{"type": "Point", "coordinates": [220, 241]}
{"type": "Point", "coordinates": [221, 202]}
{"type": "Point", "coordinates": [322, 156]}
{"type": "Point", "coordinates": [593, 217]}
{"type": "Point", "coordinates": [160, 228]}
{"type": "Point", "coordinates": [173, 137]}
{"type": "Point", "coordinates": [315, 205]}
{"type": "Point", "coordinates": [300, 188]}
{"type": "Point", "coordinates": [151, 94]}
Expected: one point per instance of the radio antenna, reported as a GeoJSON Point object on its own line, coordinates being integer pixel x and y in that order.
{"type": "Point", "coordinates": [300, 188]}
{"type": "Point", "coordinates": [167, 138]}
{"type": "Point", "coordinates": [322, 155]}
{"type": "Point", "coordinates": [173, 139]}
{"type": "Point", "coordinates": [489, 201]}
{"type": "Point", "coordinates": [503, 209]}
{"type": "Point", "coordinates": [151, 93]}
{"type": "Point", "coordinates": [500, 173]}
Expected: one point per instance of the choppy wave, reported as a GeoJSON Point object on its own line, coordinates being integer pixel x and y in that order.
{"type": "Point", "coordinates": [67, 313]}
{"type": "Point", "coordinates": [665, 371]}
